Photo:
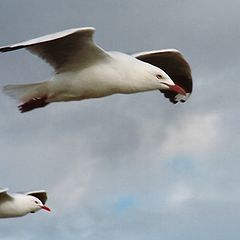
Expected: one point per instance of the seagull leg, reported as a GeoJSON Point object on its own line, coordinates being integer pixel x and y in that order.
{"type": "Point", "coordinates": [33, 103]}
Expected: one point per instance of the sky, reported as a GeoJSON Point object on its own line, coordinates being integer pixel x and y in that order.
{"type": "Point", "coordinates": [127, 166]}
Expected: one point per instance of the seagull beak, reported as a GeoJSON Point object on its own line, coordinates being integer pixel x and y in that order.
{"type": "Point", "coordinates": [46, 208]}
{"type": "Point", "coordinates": [178, 89]}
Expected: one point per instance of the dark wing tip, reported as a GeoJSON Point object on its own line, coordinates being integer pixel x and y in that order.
{"type": "Point", "coordinates": [9, 48]}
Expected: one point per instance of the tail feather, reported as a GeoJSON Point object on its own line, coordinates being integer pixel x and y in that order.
{"type": "Point", "coordinates": [29, 95]}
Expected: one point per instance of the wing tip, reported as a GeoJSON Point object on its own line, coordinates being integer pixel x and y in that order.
{"type": "Point", "coordinates": [60, 34]}
{"type": "Point", "coordinates": [8, 48]}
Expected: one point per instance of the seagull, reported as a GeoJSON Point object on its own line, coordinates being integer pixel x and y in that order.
{"type": "Point", "coordinates": [83, 70]}
{"type": "Point", "coordinates": [19, 204]}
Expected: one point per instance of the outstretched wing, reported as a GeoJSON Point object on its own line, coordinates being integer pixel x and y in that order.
{"type": "Point", "coordinates": [4, 194]}
{"type": "Point", "coordinates": [40, 194]}
{"type": "Point", "coordinates": [173, 63]}
{"type": "Point", "coordinates": [63, 50]}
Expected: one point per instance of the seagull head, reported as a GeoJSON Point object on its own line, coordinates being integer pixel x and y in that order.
{"type": "Point", "coordinates": [35, 205]}
{"type": "Point", "coordinates": [166, 83]}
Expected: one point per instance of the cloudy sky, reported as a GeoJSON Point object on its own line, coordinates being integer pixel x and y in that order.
{"type": "Point", "coordinates": [127, 167]}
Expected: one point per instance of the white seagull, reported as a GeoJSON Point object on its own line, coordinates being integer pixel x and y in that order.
{"type": "Point", "coordinates": [84, 70]}
{"type": "Point", "coordinates": [19, 204]}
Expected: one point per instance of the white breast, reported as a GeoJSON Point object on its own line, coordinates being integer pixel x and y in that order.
{"type": "Point", "coordinates": [123, 74]}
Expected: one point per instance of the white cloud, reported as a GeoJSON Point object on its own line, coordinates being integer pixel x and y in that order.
{"type": "Point", "coordinates": [180, 194]}
{"type": "Point", "coordinates": [195, 134]}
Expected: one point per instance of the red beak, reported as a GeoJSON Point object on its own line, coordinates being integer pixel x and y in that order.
{"type": "Point", "coordinates": [178, 89]}
{"type": "Point", "coordinates": [46, 208]}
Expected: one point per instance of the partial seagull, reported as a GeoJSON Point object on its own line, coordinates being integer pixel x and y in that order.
{"type": "Point", "coordinates": [83, 70]}
{"type": "Point", "coordinates": [20, 204]}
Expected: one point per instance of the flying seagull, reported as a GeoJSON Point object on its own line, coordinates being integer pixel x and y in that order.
{"type": "Point", "coordinates": [20, 204]}
{"type": "Point", "coordinates": [84, 70]}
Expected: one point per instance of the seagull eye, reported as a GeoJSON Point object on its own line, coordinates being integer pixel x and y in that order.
{"type": "Point", "coordinates": [159, 76]}
{"type": "Point", "coordinates": [36, 202]}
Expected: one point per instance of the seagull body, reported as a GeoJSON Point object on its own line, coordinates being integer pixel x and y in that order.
{"type": "Point", "coordinates": [17, 205]}
{"type": "Point", "coordinates": [118, 74]}
{"type": "Point", "coordinates": [84, 70]}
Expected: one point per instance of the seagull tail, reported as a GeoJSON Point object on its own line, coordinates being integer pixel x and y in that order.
{"type": "Point", "coordinates": [30, 96]}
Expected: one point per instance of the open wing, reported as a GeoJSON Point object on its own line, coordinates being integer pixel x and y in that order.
{"type": "Point", "coordinates": [63, 50]}
{"type": "Point", "coordinates": [173, 63]}
{"type": "Point", "coordinates": [40, 194]}
{"type": "Point", "coordinates": [4, 194]}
